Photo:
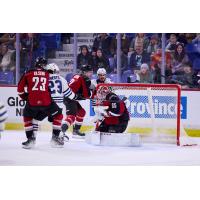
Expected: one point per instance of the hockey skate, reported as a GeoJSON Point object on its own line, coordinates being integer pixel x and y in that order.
{"type": "Point", "coordinates": [57, 142]}
{"type": "Point", "coordinates": [64, 137]}
{"type": "Point", "coordinates": [76, 132]}
{"type": "Point", "coordinates": [64, 128]}
{"type": "Point", "coordinates": [29, 144]}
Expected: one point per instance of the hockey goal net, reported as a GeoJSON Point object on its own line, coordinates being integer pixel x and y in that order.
{"type": "Point", "coordinates": [154, 109]}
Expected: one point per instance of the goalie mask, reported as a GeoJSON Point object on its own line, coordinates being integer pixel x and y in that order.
{"type": "Point", "coordinates": [102, 92]}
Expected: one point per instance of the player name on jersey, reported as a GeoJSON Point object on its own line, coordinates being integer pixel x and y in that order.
{"type": "Point", "coordinates": [54, 77]}
{"type": "Point", "coordinates": [39, 73]}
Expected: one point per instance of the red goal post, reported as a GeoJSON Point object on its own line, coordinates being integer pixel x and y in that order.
{"type": "Point", "coordinates": [153, 108]}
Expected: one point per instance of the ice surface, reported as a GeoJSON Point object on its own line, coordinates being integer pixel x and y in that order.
{"type": "Point", "coordinates": [77, 152]}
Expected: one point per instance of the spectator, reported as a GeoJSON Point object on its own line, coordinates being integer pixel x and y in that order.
{"type": "Point", "coordinates": [196, 42]}
{"type": "Point", "coordinates": [84, 58]}
{"type": "Point", "coordinates": [182, 38]}
{"type": "Point", "coordinates": [138, 57]}
{"type": "Point", "coordinates": [133, 78]}
{"type": "Point", "coordinates": [101, 61]}
{"type": "Point", "coordinates": [124, 44]}
{"type": "Point", "coordinates": [140, 38]}
{"type": "Point", "coordinates": [171, 45]}
{"type": "Point", "coordinates": [7, 62]}
{"type": "Point", "coordinates": [1, 56]}
{"type": "Point", "coordinates": [198, 79]}
{"type": "Point", "coordinates": [30, 44]}
{"type": "Point", "coordinates": [179, 58]}
{"type": "Point", "coordinates": [156, 72]}
{"type": "Point", "coordinates": [145, 76]}
{"type": "Point", "coordinates": [94, 56]}
{"type": "Point", "coordinates": [8, 39]}
{"type": "Point", "coordinates": [190, 37]}
{"type": "Point", "coordinates": [23, 58]}
{"type": "Point", "coordinates": [156, 58]}
{"type": "Point", "coordinates": [124, 62]}
{"type": "Point", "coordinates": [186, 78]}
{"type": "Point", "coordinates": [153, 45]}
{"type": "Point", "coordinates": [103, 42]}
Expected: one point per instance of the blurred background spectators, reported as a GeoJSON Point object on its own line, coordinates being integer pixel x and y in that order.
{"type": "Point", "coordinates": [140, 55]}
{"type": "Point", "coordinates": [101, 61]}
{"type": "Point", "coordinates": [84, 57]}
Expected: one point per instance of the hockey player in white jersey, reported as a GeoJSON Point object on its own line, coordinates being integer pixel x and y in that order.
{"type": "Point", "coordinates": [101, 74]}
{"type": "Point", "coordinates": [3, 117]}
{"type": "Point", "coordinates": [58, 85]}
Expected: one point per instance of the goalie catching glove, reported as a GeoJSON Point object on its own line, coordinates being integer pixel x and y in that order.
{"type": "Point", "coordinates": [100, 113]}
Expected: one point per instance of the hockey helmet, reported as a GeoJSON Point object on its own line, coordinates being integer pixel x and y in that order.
{"type": "Point", "coordinates": [40, 62]}
{"type": "Point", "coordinates": [53, 68]}
{"type": "Point", "coordinates": [86, 68]}
{"type": "Point", "coordinates": [101, 71]}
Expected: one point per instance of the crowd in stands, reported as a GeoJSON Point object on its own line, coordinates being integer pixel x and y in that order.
{"type": "Point", "coordinates": [32, 45]}
{"type": "Point", "coordinates": [7, 58]}
{"type": "Point", "coordinates": [141, 55]}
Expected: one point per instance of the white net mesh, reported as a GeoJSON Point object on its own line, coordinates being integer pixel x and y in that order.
{"type": "Point", "coordinates": [153, 109]}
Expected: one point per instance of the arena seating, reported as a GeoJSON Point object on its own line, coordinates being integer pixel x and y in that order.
{"type": "Point", "coordinates": [125, 75]}
{"type": "Point", "coordinates": [113, 77]}
{"type": "Point", "coordinates": [196, 64]}
{"type": "Point", "coordinates": [6, 77]}
{"type": "Point", "coordinates": [69, 76]}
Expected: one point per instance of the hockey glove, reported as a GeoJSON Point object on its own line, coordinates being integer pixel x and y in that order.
{"type": "Point", "coordinates": [79, 97]}
{"type": "Point", "coordinates": [24, 96]}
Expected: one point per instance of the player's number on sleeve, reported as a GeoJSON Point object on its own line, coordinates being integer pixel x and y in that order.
{"type": "Point", "coordinates": [114, 105]}
{"type": "Point", "coordinates": [40, 83]}
{"type": "Point", "coordinates": [55, 87]}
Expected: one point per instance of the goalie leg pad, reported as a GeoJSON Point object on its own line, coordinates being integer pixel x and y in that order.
{"type": "Point", "coordinates": [113, 139]}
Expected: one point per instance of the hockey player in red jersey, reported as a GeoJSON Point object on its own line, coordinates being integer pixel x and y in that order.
{"type": "Point", "coordinates": [59, 90]}
{"type": "Point", "coordinates": [80, 85]}
{"type": "Point", "coordinates": [112, 115]}
{"type": "Point", "coordinates": [34, 88]}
